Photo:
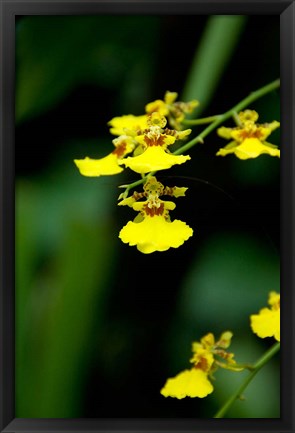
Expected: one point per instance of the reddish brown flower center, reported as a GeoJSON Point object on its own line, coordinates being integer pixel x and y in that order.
{"type": "Point", "coordinates": [202, 364]}
{"type": "Point", "coordinates": [251, 134]}
{"type": "Point", "coordinates": [120, 149]}
{"type": "Point", "coordinates": [155, 140]}
{"type": "Point", "coordinates": [154, 210]}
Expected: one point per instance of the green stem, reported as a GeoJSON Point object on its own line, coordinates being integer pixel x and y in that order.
{"type": "Point", "coordinates": [257, 366]}
{"type": "Point", "coordinates": [200, 121]}
{"type": "Point", "coordinates": [219, 40]}
{"type": "Point", "coordinates": [242, 104]}
{"type": "Point", "coordinates": [219, 119]}
{"type": "Point", "coordinates": [236, 366]}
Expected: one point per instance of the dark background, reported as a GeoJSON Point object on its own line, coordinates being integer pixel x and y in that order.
{"type": "Point", "coordinates": [100, 326]}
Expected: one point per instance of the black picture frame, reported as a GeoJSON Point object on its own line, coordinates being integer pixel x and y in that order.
{"type": "Point", "coordinates": [9, 9]}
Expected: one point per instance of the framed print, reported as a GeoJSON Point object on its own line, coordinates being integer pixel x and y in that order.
{"type": "Point", "coordinates": [147, 216]}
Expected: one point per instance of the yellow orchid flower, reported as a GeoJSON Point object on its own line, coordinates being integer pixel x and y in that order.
{"type": "Point", "coordinates": [175, 111]}
{"type": "Point", "coordinates": [154, 142]}
{"type": "Point", "coordinates": [154, 231]}
{"type": "Point", "coordinates": [194, 382]}
{"type": "Point", "coordinates": [249, 137]}
{"type": "Point", "coordinates": [267, 322]}
{"type": "Point", "coordinates": [143, 135]}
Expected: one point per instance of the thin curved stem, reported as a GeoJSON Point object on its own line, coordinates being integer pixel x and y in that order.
{"type": "Point", "coordinates": [219, 119]}
{"type": "Point", "coordinates": [242, 104]}
{"type": "Point", "coordinates": [200, 121]}
{"type": "Point", "coordinates": [257, 366]}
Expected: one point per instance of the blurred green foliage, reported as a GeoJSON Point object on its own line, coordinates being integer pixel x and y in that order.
{"type": "Point", "coordinates": [56, 54]}
{"type": "Point", "coordinates": [215, 50]}
{"type": "Point", "coordinates": [251, 268]}
{"type": "Point", "coordinates": [63, 262]}
{"type": "Point", "coordinates": [100, 327]}
{"type": "Point", "coordinates": [229, 279]}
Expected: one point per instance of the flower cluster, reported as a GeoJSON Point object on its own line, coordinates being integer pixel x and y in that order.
{"type": "Point", "coordinates": [153, 145]}
{"type": "Point", "coordinates": [208, 355]}
{"type": "Point", "coordinates": [143, 143]}
{"type": "Point", "coordinates": [248, 137]}
{"type": "Point", "coordinates": [146, 137]}
{"type": "Point", "coordinates": [267, 322]}
{"type": "Point", "coordinates": [152, 230]}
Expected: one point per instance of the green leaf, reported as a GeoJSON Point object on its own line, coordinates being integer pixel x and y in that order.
{"type": "Point", "coordinates": [217, 45]}
{"type": "Point", "coordinates": [65, 254]}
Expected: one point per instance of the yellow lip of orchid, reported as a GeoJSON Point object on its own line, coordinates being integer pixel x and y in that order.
{"type": "Point", "coordinates": [267, 322]}
{"type": "Point", "coordinates": [155, 234]}
{"type": "Point", "coordinates": [189, 383]}
{"type": "Point", "coordinates": [109, 164]}
{"type": "Point", "coordinates": [98, 167]}
{"type": "Point", "coordinates": [153, 158]}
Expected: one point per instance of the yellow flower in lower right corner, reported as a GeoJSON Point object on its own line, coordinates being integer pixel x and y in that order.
{"type": "Point", "coordinates": [195, 381]}
{"type": "Point", "coordinates": [267, 322]}
{"type": "Point", "coordinates": [188, 383]}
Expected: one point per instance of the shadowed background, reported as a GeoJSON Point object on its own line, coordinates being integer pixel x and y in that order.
{"type": "Point", "coordinates": [100, 326]}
